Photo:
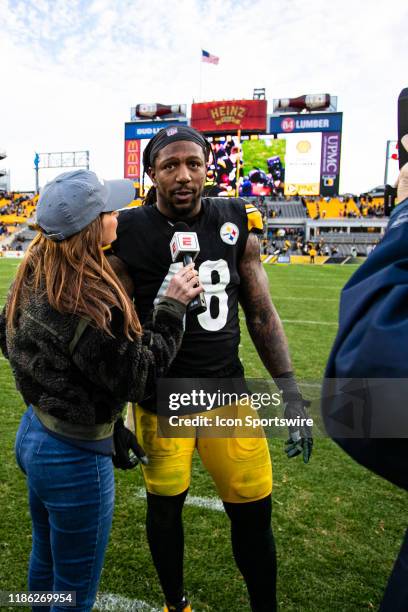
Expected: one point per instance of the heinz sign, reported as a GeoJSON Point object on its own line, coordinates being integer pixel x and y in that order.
{"type": "Point", "coordinates": [229, 116]}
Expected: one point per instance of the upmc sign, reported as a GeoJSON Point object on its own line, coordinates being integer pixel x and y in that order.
{"type": "Point", "coordinates": [329, 126]}
{"type": "Point", "coordinates": [330, 163]}
{"type": "Point", "coordinates": [229, 116]}
{"type": "Point", "coordinates": [310, 122]}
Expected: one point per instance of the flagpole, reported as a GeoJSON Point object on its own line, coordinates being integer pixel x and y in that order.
{"type": "Point", "coordinates": [238, 163]}
{"type": "Point", "coordinates": [201, 74]}
{"type": "Point", "coordinates": [387, 155]}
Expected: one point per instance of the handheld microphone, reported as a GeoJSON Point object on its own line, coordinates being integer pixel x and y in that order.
{"type": "Point", "coordinates": [184, 247]}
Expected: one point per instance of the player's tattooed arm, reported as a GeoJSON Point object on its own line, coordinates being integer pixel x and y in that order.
{"type": "Point", "coordinates": [263, 322]}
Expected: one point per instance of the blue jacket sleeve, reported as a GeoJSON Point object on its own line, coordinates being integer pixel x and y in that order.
{"type": "Point", "coordinates": [372, 339]}
{"type": "Point", "coordinates": [372, 343]}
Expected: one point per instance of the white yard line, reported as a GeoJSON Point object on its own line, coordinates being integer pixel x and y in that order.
{"type": "Point", "coordinates": [309, 286]}
{"type": "Point", "coordinates": [211, 503]}
{"type": "Point", "coordinates": [109, 602]}
{"type": "Point", "coordinates": [303, 299]}
{"type": "Point", "coordinates": [302, 322]}
{"type": "Point", "coordinates": [314, 385]}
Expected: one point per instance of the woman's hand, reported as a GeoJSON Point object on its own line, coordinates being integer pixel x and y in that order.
{"type": "Point", "coordinates": [185, 285]}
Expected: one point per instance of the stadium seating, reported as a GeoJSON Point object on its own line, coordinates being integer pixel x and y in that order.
{"type": "Point", "coordinates": [359, 243]}
{"type": "Point", "coordinates": [332, 208]}
{"type": "Point", "coordinates": [339, 243]}
{"type": "Point", "coordinates": [320, 208]}
{"type": "Point", "coordinates": [15, 211]}
{"type": "Point", "coordinates": [23, 239]}
{"type": "Point", "coordinates": [352, 238]}
{"type": "Point", "coordinates": [289, 210]}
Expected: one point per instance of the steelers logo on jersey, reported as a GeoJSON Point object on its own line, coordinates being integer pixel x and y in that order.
{"type": "Point", "coordinates": [229, 233]}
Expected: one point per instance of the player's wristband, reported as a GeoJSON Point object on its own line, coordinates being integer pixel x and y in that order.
{"type": "Point", "coordinates": [287, 385]}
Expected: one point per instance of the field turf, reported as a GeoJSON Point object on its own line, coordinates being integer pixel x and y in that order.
{"type": "Point", "coordinates": [337, 527]}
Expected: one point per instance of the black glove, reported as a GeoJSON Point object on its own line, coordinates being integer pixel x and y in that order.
{"type": "Point", "coordinates": [128, 452]}
{"type": "Point", "coordinates": [300, 438]}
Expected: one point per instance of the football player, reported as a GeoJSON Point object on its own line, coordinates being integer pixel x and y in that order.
{"type": "Point", "coordinates": [231, 273]}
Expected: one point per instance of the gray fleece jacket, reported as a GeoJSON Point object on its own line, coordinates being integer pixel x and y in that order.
{"type": "Point", "coordinates": [81, 375]}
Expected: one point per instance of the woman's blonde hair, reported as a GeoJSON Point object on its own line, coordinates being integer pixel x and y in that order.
{"type": "Point", "coordinates": [76, 278]}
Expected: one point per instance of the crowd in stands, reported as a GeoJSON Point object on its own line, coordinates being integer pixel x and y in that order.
{"type": "Point", "coordinates": [348, 207]}
{"type": "Point", "coordinates": [291, 241]}
{"type": "Point", "coordinates": [334, 243]}
{"type": "Point", "coordinates": [15, 210]}
{"type": "Point", "coordinates": [291, 245]}
{"type": "Point", "coordinates": [317, 207]}
{"type": "Point", "coordinates": [17, 203]}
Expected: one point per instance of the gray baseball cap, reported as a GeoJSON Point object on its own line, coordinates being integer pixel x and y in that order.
{"type": "Point", "coordinates": [74, 199]}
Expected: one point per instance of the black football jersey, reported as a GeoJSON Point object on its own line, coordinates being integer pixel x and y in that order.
{"type": "Point", "coordinates": [211, 339]}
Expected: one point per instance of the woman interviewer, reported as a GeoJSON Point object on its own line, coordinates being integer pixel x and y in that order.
{"type": "Point", "coordinates": [78, 353]}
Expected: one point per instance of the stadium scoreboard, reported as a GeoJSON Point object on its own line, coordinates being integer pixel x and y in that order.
{"type": "Point", "coordinates": [296, 154]}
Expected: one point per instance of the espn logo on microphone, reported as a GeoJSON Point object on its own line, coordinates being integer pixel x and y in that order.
{"type": "Point", "coordinates": [184, 243]}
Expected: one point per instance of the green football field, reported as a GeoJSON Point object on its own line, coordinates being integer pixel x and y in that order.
{"type": "Point", "coordinates": [337, 527]}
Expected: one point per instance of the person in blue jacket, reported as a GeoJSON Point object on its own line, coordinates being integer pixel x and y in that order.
{"type": "Point", "coordinates": [363, 406]}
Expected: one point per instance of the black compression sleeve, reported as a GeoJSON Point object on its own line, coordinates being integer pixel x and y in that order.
{"type": "Point", "coordinates": [254, 551]}
{"type": "Point", "coordinates": [166, 540]}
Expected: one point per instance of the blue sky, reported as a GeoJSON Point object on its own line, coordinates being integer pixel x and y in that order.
{"type": "Point", "coordinates": [71, 70]}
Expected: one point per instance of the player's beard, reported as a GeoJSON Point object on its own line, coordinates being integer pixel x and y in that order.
{"type": "Point", "coordinates": [182, 211]}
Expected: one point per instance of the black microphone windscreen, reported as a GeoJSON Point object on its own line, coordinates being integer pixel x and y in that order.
{"type": "Point", "coordinates": [180, 226]}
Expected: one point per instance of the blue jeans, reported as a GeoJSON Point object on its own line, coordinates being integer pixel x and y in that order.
{"type": "Point", "coordinates": [71, 496]}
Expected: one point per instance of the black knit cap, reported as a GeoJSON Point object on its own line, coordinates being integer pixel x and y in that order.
{"type": "Point", "coordinates": [171, 134]}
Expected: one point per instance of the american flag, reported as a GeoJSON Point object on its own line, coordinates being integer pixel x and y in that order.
{"type": "Point", "coordinates": [208, 58]}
